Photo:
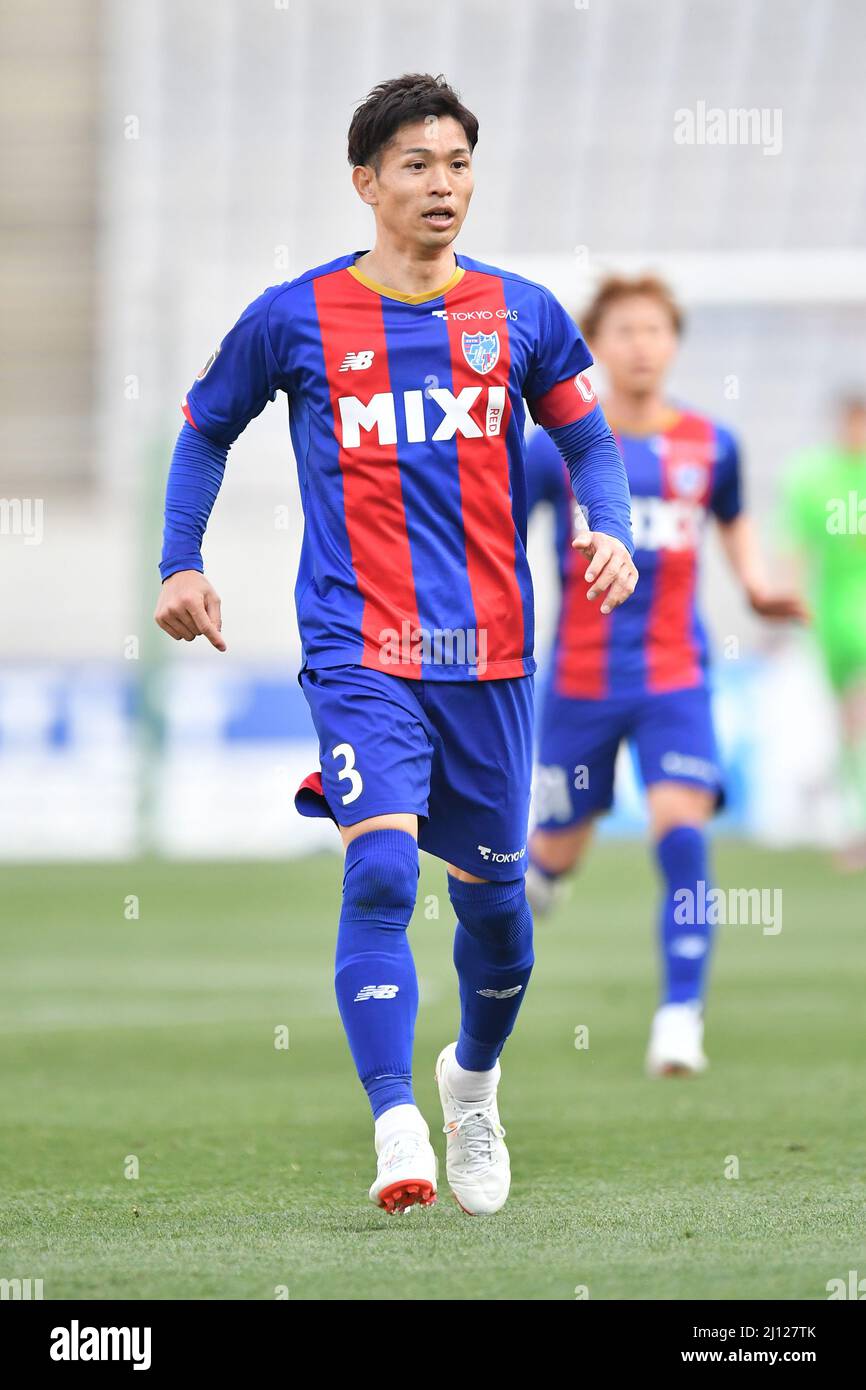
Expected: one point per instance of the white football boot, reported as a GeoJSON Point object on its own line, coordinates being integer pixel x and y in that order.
{"type": "Point", "coordinates": [676, 1041]}
{"type": "Point", "coordinates": [476, 1160]}
{"type": "Point", "coordinates": [406, 1170]}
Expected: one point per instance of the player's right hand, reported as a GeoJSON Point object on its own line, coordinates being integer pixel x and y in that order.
{"type": "Point", "coordinates": [189, 607]}
{"type": "Point", "coordinates": [611, 571]}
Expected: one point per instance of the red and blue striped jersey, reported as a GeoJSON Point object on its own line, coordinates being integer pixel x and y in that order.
{"type": "Point", "coordinates": [407, 423]}
{"type": "Point", "coordinates": [657, 641]}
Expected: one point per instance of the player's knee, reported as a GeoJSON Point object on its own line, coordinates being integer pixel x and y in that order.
{"type": "Point", "coordinates": [674, 806]}
{"type": "Point", "coordinates": [557, 852]}
{"type": "Point", "coordinates": [496, 914]}
{"type": "Point", "coordinates": [380, 877]}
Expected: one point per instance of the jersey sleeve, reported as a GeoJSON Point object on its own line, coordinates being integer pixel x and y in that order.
{"type": "Point", "coordinates": [239, 377]}
{"type": "Point", "coordinates": [545, 471]}
{"type": "Point", "coordinates": [726, 500]}
{"type": "Point", "coordinates": [556, 390]}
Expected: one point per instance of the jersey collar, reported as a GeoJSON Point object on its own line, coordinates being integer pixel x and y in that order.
{"type": "Point", "coordinates": [667, 420]}
{"type": "Point", "coordinates": [388, 293]}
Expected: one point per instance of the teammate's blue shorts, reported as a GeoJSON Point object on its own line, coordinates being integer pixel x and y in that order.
{"type": "Point", "coordinates": [458, 754]}
{"type": "Point", "coordinates": [671, 737]}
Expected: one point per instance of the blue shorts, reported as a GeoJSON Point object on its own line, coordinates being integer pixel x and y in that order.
{"type": "Point", "coordinates": [671, 736]}
{"type": "Point", "coordinates": [458, 754]}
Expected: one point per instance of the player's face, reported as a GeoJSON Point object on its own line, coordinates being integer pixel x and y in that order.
{"type": "Point", "coordinates": [421, 192]}
{"type": "Point", "coordinates": [854, 430]}
{"type": "Point", "coordinates": [635, 343]}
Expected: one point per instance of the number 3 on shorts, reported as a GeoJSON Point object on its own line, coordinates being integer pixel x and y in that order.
{"type": "Point", "coordinates": [348, 772]}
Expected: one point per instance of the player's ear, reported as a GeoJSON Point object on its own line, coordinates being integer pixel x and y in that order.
{"type": "Point", "coordinates": [364, 179]}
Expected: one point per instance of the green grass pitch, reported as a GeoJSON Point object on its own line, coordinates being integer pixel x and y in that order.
{"type": "Point", "coordinates": [152, 1040]}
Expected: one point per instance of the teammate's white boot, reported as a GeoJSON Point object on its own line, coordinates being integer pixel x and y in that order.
{"type": "Point", "coordinates": [407, 1168]}
{"type": "Point", "coordinates": [476, 1160]}
{"type": "Point", "coordinates": [542, 893]}
{"type": "Point", "coordinates": [676, 1041]}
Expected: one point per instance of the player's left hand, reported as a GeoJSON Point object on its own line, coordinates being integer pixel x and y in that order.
{"type": "Point", "coordinates": [778, 606]}
{"type": "Point", "coordinates": [611, 570]}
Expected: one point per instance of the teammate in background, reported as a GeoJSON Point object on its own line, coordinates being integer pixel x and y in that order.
{"type": "Point", "coordinates": [825, 520]}
{"type": "Point", "coordinates": [641, 676]}
{"type": "Point", "coordinates": [406, 368]}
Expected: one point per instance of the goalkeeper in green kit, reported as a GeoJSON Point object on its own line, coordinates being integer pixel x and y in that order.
{"type": "Point", "coordinates": [825, 520]}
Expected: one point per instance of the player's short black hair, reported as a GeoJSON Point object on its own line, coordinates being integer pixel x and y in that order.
{"type": "Point", "coordinates": [392, 104]}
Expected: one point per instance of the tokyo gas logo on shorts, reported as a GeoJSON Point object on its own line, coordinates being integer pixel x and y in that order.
{"type": "Point", "coordinates": [493, 856]}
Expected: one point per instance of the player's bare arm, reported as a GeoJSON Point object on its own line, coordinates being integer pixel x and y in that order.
{"type": "Point", "coordinates": [744, 553]}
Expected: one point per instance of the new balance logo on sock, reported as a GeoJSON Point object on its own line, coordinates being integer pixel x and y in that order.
{"type": "Point", "coordinates": [376, 992]}
{"type": "Point", "coordinates": [689, 947]}
{"type": "Point", "coordinates": [500, 993]}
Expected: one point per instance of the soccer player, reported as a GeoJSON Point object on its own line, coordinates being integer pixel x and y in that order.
{"type": "Point", "coordinates": [405, 369]}
{"type": "Point", "coordinates": [642, 675]}
{"type": "Point", "coordinates": [825, 521]}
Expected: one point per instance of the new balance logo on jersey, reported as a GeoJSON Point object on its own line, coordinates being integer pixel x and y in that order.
{"type": "Point", "coordinates": [376, 992]}
{"type": "Point", "coordinates": [379, 415]}
{"type": "Point", "coordinates": [494, 857]}
{"type": "Point", "coordinates": [357, 361]}
{"type": "Point", "coordinates": [500, 993]}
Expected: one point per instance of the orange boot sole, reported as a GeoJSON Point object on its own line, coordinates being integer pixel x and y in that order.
{"type": "Point", "coordinates": [400, 1196]}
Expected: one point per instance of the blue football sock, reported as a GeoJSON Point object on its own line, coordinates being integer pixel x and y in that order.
{"type": "Point", "coordinates": [493, 955]}
{"type": "Point", "coordinates": [684, 940]}
{"type": "Point", "coordinates": [377, 989]}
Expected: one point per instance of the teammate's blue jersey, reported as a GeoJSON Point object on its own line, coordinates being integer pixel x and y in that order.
{"type": "Point", "coordinates": [656, 642]}
{"type": "Point", "coordinates": [407, 422]}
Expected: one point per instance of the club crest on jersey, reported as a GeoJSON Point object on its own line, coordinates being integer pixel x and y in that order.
{"type": "Point", "coordinates": [687, 479]}
{"type": "Point", "coordinates": [481, 351]}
